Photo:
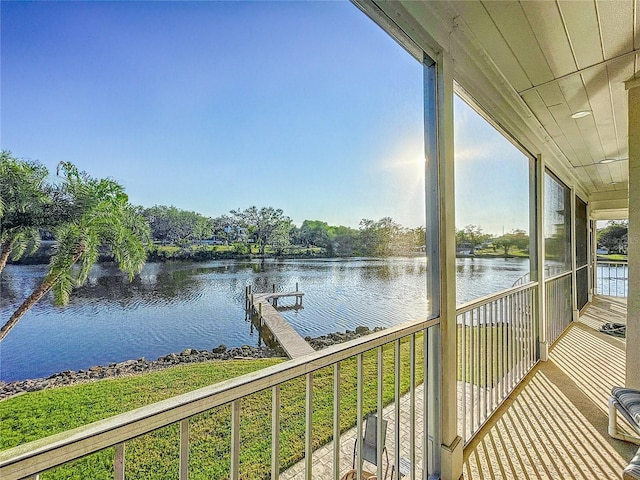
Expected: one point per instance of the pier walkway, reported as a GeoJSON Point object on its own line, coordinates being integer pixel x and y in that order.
{"type": "Point", "coordinates": [293, 344]}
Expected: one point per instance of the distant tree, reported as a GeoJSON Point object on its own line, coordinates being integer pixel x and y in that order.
{"type": "Point", "coordinates": [175, 226]}
{"type": "Point", "coordinates": [472, 236]}
{"type": "Point", "coordinates": [227, 228]}
{"type": "Point", "coordinates": [343, 241]}
{"type": "Point", "coordinates": [24, 198]}
{"type": "Point", "coordinates": [514, 239]}
{"type": "Point", "coordinates": [382, 238]}
{"type": "Point", "coordinates": [316, 233]}
{"type": "Point", "coordinates": [280, 236]}
{"type": "Point", "coordinates": [260, 222]}
{"type": "Point", "coordinates": [101, 217]}
{"type": "Point", "coordinates": [614, 236]}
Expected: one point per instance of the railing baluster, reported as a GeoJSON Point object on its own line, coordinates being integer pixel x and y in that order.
{"type": "Point", "coordinates": [503, 345]}
{"type": "Point", "coordinates": [464, 351]}
{"type": "Point", "coordinates": [336, 421]}
{"type": "Point", "coordinates": [396, 398]}
{"type": "Point", "coordinates": [426, 457]}
{"type": "Point", "coordinates": [235, 439]}
{"type": "Point", "coordinates": [412, 405]}
{"type": "Point", "coordinates": [520, 338]}
{"type": "Point", "coordinates": [275, 432]}
{"type": "Point", "coordinates": [308, 431]}
{"type": "Point", "coordinates": [359, 413]}
{"type": "Point", "coordinates": [483, 349]}
{"type": "Point", "coordinates": [497, 343]}
{"type": "Point", "coordinates": [512, 344]}
{"type": "Point", "coordinates": [118, 462]}
{"type": "Point", "coordinates": [380, 440]}
{"type": "Point", "coordinates": [184, 449]}
{"type": "Point", "coordinates": [472, 370]}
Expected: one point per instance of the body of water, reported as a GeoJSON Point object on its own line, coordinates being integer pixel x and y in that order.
{"type": "Point", "coordinates": [176, 305]}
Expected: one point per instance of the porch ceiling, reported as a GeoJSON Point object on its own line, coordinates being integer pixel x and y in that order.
{"type": "Point", "coordinates": [532, 64]}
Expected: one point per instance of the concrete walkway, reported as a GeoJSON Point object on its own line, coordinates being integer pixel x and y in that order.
{"type": "Point", "coordinates": [323, 457]}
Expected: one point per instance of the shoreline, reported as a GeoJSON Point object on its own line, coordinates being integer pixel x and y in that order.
{"type": "Point", "coordinates": [141, 365]}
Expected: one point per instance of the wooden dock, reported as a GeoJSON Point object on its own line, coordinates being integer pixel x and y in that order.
{"type": "Point", "coordinates": [259, 303]}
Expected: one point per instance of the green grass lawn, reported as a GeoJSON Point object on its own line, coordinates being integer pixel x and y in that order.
{"type": "Point", "coordinates": [613, 257]}
{"type": "Point", "coordinates": [487, 354]}
{"type": "Point", "coordinates": [155, 456]}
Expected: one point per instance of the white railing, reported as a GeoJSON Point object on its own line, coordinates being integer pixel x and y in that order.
{"type": "Point", "coordinates": [497, 347]}
{"type": "Point", "coordinates": [404, 347]}
{"type": "Point", "coordinates": [559, 312]}
{"type": "Point", "coordinates": [612, 279]}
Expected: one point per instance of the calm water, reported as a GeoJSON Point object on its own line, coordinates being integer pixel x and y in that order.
{"type": "Point", "coordinates": [173, 306]}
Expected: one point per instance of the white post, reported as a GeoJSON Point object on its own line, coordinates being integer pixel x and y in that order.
{"type": "Point", "coordinates": [633, 301]}
{"type": "Point", "coordinates": [449, 463]}
{"type": "Point", "coordinates": [542, 291]}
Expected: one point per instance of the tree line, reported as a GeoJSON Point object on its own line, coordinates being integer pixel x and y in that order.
{"type": "Point", "coordinates": [471, 237]}
{"type": "Point", "coordinates": [269, 228]}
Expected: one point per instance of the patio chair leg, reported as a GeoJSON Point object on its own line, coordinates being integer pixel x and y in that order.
{"type": "Point", "coordinates": [613, 425]}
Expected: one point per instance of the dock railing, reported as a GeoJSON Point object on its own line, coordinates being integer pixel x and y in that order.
{"type": "Point", "coordinates": [612, 278]}
{"type": "Point", "coordinates": [497, 347]}
{"type": "Point", "coordinates": [396, 356]}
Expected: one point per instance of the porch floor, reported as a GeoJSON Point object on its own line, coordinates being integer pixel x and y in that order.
{"type": "Point", "coordinates": [554, 425]}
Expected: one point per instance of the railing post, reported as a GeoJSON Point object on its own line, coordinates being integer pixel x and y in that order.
{"type": "Point", "coordinates": [412, 405]}
{"type": "Point", "coordinates": [275, 432]}
{"type": "Point", "coordinates": [359, 413]}
{"type": "Point", "coordinates": [379, 432]}
{"type": "Point", "coordinates": [308, 432]}
{"type": "Point", "coordinates": [336, 421]}
{"type": "Point", "coordinates": [184, 449]}
{"type": "Point", "coordinates": [118, 462]}
{"type": "Point", "coordinates": [396, 398]}
{"type": "Point", "coordinates": [235, 439]}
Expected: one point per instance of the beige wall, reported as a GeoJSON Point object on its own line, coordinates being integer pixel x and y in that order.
{"type": "Point", "coordinates": [633, 309]}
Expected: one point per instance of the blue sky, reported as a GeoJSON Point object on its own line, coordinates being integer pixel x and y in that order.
{"type": "Point", "coordinates": [212, 106]}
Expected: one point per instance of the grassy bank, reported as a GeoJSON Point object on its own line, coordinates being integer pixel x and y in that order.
{"type": "Point", "coordinates": [155, 456]}
{"type": "Point", "coordinates": [613, 257]}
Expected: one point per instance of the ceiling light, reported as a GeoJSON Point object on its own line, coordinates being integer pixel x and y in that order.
{"type": "Point", "coordinates": [580, 114]}
{"type": "Point", "coordinates": [608, 160]}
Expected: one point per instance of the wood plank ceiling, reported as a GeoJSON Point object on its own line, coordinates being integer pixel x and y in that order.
{"type": "Point", "coordinates": [563, 57]}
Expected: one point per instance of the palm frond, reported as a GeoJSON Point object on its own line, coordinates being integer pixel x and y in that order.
{"type": "Point", "coordinates": [63, 287]}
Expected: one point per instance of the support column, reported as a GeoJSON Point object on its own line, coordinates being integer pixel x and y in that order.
{"type": "Point", "coordinates": [543, 343]}
{"type": "Point", "coordinates": [574, 277]}
{"type": "Point", "coordinates": [451, 442]}
{"type": "Point", "coordinates": [633, 300]}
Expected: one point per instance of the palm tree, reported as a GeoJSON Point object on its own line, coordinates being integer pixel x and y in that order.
{"type": "Point", "coordinates": [24, 198]}
{"type": "Point", "coordinates": [101, 217]}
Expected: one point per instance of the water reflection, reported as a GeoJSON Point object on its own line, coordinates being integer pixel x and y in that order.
{"type": "Point", "coordinates": [173, 306]}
